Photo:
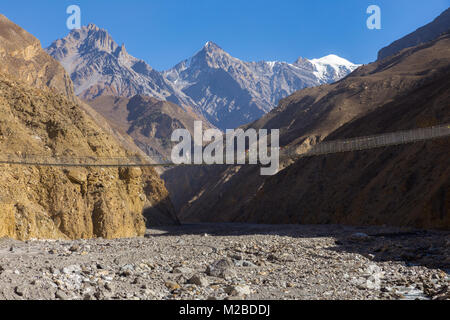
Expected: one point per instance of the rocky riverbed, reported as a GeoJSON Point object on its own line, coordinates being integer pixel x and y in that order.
{"type": "Point", "coordinates": [233, 261]}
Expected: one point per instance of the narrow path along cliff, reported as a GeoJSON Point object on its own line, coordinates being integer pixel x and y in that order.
{"type": "Point", "coordinates": [233, 261]}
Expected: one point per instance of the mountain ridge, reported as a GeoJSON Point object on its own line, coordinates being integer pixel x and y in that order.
{"type": "Point", "coordinates": [257, 85]}
{"type": "Point", "coordinates": [226, 91]}
{"type": "Point", "coordinates": [22, 57]}
{"type": "Point", "coordinates": [99, 66]}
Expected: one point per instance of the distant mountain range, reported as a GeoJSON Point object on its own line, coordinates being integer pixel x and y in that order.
{"type": "Point", "coordinates": [228, 92]}
{"type": "Point", "coordinates": [231, 92]}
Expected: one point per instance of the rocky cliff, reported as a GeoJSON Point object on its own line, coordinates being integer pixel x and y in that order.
{"type": "Point", "coordinates": [22, 57]}
{"type": "Point", "coordinates": [40, 116]}
{"type": "Point", "coordinates": [99, 66]}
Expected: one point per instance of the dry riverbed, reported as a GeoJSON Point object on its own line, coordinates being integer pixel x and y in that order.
{"type": "Point", "coordinates": [233, 261]}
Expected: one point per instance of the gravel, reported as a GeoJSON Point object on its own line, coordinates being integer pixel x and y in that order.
{"type": "Point", "coordinates": [233, 261]}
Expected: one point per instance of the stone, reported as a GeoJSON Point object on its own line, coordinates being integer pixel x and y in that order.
{"type": "Point", "coordinates": [221, 269]}
{"type": "Point", "coordinates": [77, 175]}
{"type": "Point", "coordinates": [238, 290]}
{"type": "Point", "coordinates": [126, 270]}
{"type": "Point", "coordinates": [74, 248]}
{"type": "Point", "coordinates": [199, 280]}
{"type": "Point", "coordinates": [182, 270]}
{"type": "Point", "coordinates": [236, 257]}
{"type": "Point", "coordinates": [109, 286]}
{"type": "Point", "coordinates": [359, 236]}
{"type": "Point", "coordinates": [172, 286]}
{"type": "Point", "coordinates": [245, 263]}
{"type": "Point", "coordinates": [20, 291]}
{"type": "Point", "coordinates": [61, 295]}
{"type": "Point", "coordinates": [72, 269]}
{"type": "Point", "coordinates": [100, 266]}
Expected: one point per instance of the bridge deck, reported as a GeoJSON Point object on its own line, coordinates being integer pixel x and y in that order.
{"type": "Point", "coordinates": [323, 148]}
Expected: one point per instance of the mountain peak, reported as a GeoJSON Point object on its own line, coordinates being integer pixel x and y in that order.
{"type": "Point", "coordinates": [333, 59]}
{"type": "Point", "coordinates": [121, 52]}
{"type": "Point", "coordinates": [100, 66]}
{"type": "Point", "coordinates": [91, 26]}
{"type": "Point", "coordinates": [300, 61]}
{"type": "Point", "coordinates": [87, 38]}
{"type": "Point", "coordinates": [211, 46]}
{"type": "Point", "coordinates": [123, 49]}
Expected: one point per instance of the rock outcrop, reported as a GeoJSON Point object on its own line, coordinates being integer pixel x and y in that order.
{"type": "Point", "coordinates": [21, 56]}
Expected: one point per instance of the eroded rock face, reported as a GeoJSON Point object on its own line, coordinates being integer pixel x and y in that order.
{"type": "Point", "coordinates": [45, 202]}
{"type": "Point", "coordinates": [22, 57]}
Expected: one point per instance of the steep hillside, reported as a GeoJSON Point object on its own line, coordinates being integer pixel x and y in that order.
{"type": "Point", "coordinates": [310, 116]}
{"type": "Point", "coordinates": [424, 34]}
{"type": "Point", "coordinates": [150, 122]}
{"type": "Point", "coordinates": [403, 185]}
{"type": "Point", "coordinates": [51, 202]}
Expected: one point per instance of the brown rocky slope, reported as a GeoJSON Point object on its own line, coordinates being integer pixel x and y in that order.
{"type": "Point", "coordinates": [50, 202]}
{"type": "Point", "coordinates": [311, 115]}
{"type": "Point", "coordinates": [402, 185]}
{"type": "Point", "coordinates": [147, 120]}
{"type": "Point", "coordinates": [22, 56]}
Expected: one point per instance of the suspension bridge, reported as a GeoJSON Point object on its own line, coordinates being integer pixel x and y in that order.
{"type": "Point", "coordinates": [323, 148]}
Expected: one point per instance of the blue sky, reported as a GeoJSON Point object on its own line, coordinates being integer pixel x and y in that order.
{"type": "Point", "coordinates": [164, 32]}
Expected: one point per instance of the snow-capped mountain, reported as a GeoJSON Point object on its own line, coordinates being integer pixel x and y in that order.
{"type": "Point", "coordinates": [98, 67]}
{"type": "Point", "coordinates": [231, 92]}
{"type": "Point", "coordinates": [332, 68]}
{"type": "Point", "coordinates": [228, 92]}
